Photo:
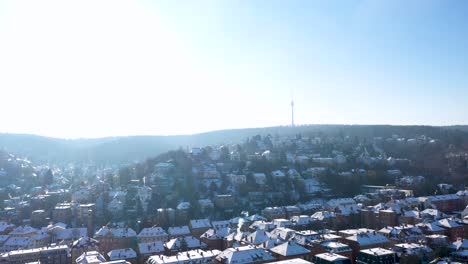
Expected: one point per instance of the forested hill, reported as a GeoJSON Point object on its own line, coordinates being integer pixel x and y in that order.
{"type": "Point", "coordinates": [115, 150]}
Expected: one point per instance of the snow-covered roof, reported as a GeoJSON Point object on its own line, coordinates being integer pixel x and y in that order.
{"type": "Point", "coordinates": [257, 237]}
{"type": "Point", "coordinates": [4, 225]}
{"type": "Point", "coordinates": [200, 223]}
{"type": "Point", "coordinates": [335, 247]}
{"type": "Point", "coordinates": [448, 223]}
{"type": "Point", "coordinates": [292, 261]}
{"type": "Point", "coordinates": [151, 247]}
{"type": "Point", "coordinates": [220, 224]}
{"type": "Point", "coordinates": [301, 219]}
{"type": "Point", "coordinates": [70, 233]}
{"type": "Point", "coordinates": [262, 225]}
{"type": "Point", "coordinates": [349, 232]}
{"type": "Point", "coordinates": [155, 231]}
{"type": "Point", "coordinates": [217, 233]}
{"type": "Point", "coordinates": [460, 244]}
{"type": "Point", "coordinates": [290, 248]}
{"type": "Point", "coordinates": [332, 257]}
{"type": "Point", "coordinates": [178, 230]}
{"type": "Point", "coordinates": [189, 241]}
{"type": "Point", "coordinates": [183, 206]}
{"type": "Point", "coordinates": [192, 256]}
{"type": "Point", "coordinates": [368, 239]}
{"type": "Point", "coordinates": [40, 236]}
{"type": "Point", "coordinates": [412, 248]}
{"type": "Point", "coordinates": [434, 213]}
{"type": "Point", "coordinates": [444, 197]}
{"type": "Point", "coordinates": [244, 254]}
{"type": "Point", "coordinates": [3, 238]}
{"type": "Point", "coordinates": [23, 230]}
{"type": "Point", "coordinates": [282, 233]}
{"type": "Point", "coordinates": [90, 257]}
{"type": "Point", "coordinates": [321, 215]}
{"type": "Point", "coordinates": [118, 232]}
{"type": "Point", "coordinates": [377, 251]}
{"type": "Point", "coordinates": [348, 209]}
{"type": "Point", "coordinates": [124, 253]}
{"type": "Point", "coordinates": [433, 227]}
{"type": "Point", "coordinates": [84, 242]}
{"type": "Point", "coordinates": [18, 242]}
{"type": "Point", "coordinates": [340, 201]}
{"type": "Point", "coordinates": [43, 250]}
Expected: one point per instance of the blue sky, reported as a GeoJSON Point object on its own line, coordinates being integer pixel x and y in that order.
{"type": "Point", "coordinates": [107, 68]}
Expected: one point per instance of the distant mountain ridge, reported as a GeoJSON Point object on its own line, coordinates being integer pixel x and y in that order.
{"type": "Point", "coordinates": [115, 150]}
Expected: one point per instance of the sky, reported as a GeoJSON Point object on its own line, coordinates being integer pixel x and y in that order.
{"type": "Point", "coordinates": [79, 69]}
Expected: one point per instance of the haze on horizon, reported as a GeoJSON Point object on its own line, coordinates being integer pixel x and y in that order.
{"type": "Point", "coordinates": [113, 68]}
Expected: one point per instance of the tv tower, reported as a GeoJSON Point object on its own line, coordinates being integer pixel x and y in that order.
{"type": "Point", "coordinates": [292, 113]}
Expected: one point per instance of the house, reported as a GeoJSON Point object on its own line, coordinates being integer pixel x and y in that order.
{"type": "Point", "coordinates": [361, 241]}
{"type": "Point", "coordinates": [376, 255]}
{"type": "Point", "coordinates": [24, 231]}
{"type": "Point", "coordinates": [447, 203]}
{"type": "Point", "coordinates": [258, 237]}
{"type": "Point", "coordinates": [464, 213]}
{"type": "Point", "coordinates": [292, 210]}
{"type": "Point", "coordinates": [127, 254]}
{"type": "Point", "coordinates": [244, 255]}
{"type": "Point", "coordinates": [337, 247]}
{"type": "Point", "coordinates": [282, 233]}
{"type": "Point", "coordinates": [459, 250]}
{"type": "Point", "coordinates": [182, 213]}
{"type": "Point", "coordinates": [290, 250]}
{"type": "Point", "coordinates": [81, 245]}
{"type": "Point", "coordinates": [183, 244]}
{"type": "Point", "coordinates": [3, 239]}
{"type": "Point", "coordinates": [46, 255]}
{"type": "Point", "coordinates": [261, 224]}
{"type": "Point", "coordinates": [453, 229]}
{"type": "Point", "coordinates": [330, 258]}
{"type": "Point", "coordinates": [152, 234]}
{"type": "Point", "coordinates": [178, 231]}
{"type": "Point", "coordinates": [192, 256]}
{"type": "Point", "coordinates": [215, 237]}
{"type": "Point", "coordinates": [206, 206]}
{"type": "Point", "coordinates": [334, 203]}
{"type": "Point", "coordinates": [6, 228]}
{"type": "Point", "coordinates": [305, 237]}
{"type": "Point", "coordinates": [90, 257]}
{"type": "Point", "coordinates": [431, 228]}
{"type": "Point", "coordinates": [274, 213]}
{"type": "Point", "coordinates": [350, 232]}
{"type": "Point", "coordinates": [413, 253]}
{"type": "Point", "coordinates": [402, 233]}
{"type": "Point", "coordinates": [436, 241]}
{"type": "Point", "coordinates": [235, 238]}
{"type": "Point", "coordinates": [323, 216]}
{"type": "Point", "coordinates": [115, 238]}
{"type": "Point", "coordinates": [224, 201]}
{"type": "Point", "coordinates": [62, 213]}
{"type": "Point", "coordinates": [16, 243]}
{"type": "Point", "coordinates": [67, 235]}
{"type": "Point", "coordinates": [292, 261]}
{"type": "Point", "coordinates": [199, 226]}
{"type": "Point", "coordinates": [280, 222]}
{"type": "Point", "coordinates": [148, 249]}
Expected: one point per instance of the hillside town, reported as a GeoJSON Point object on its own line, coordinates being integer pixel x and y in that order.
{"type": "Point", "coordinates": [313, 198]}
